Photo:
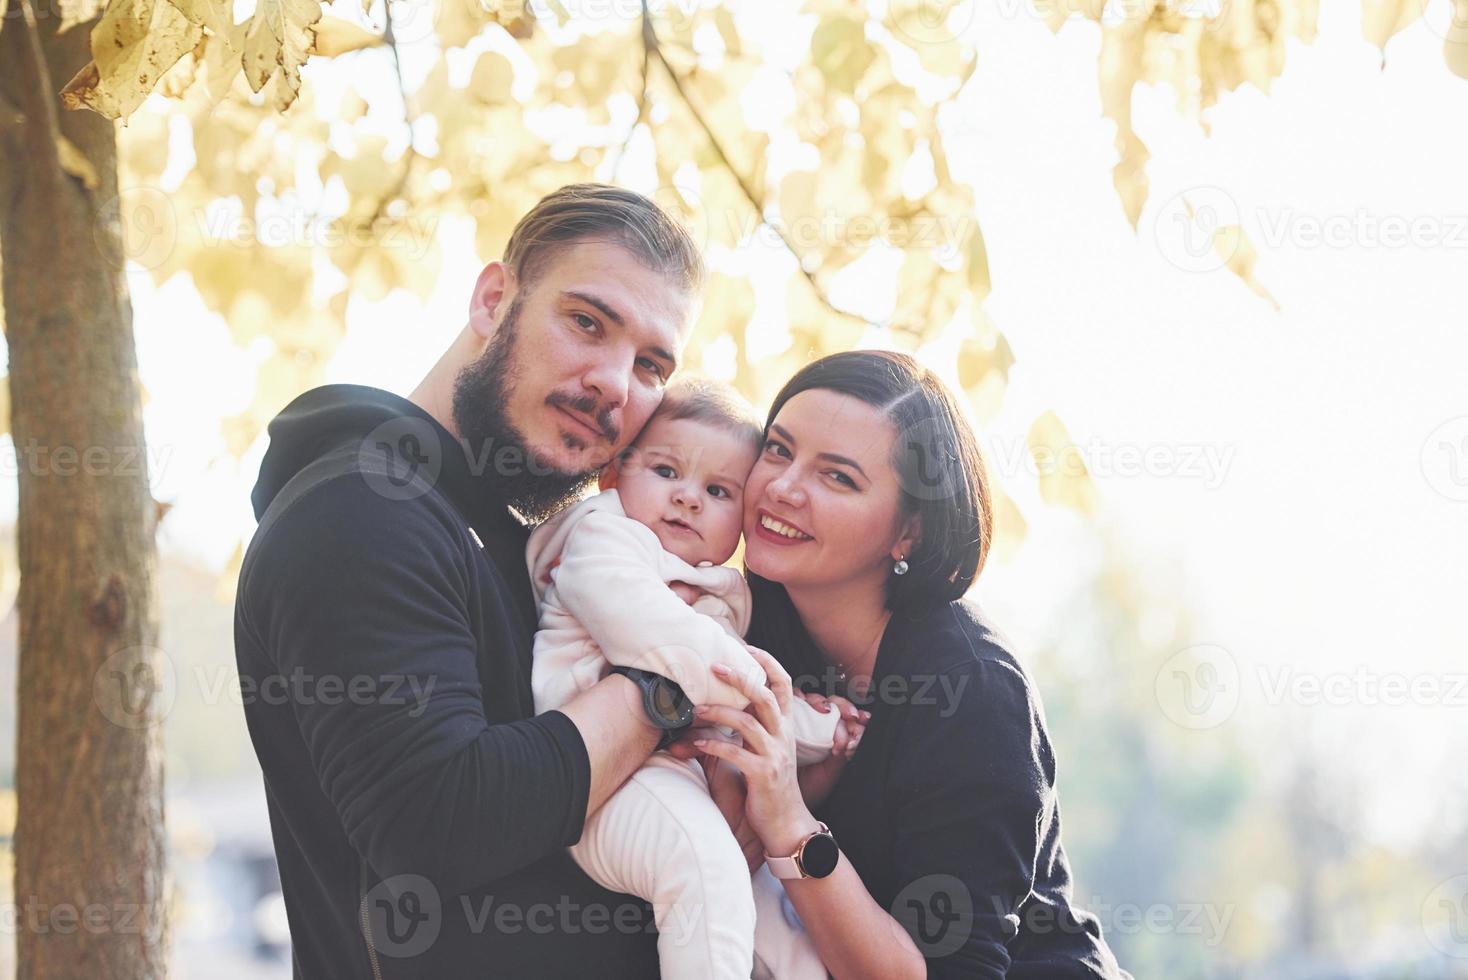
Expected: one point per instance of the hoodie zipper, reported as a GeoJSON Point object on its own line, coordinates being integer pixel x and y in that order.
{"type": "Point", "coordinates": [366, 923]}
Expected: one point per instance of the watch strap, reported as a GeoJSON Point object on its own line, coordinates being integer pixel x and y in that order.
{"type": "Point", "coordinates": [789, 867]}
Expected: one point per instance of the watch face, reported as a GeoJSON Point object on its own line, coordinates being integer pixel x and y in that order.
{"type": "Point", "coordinates": [820, 856]}
{"type": "Point", "coordinates": [669, 704]}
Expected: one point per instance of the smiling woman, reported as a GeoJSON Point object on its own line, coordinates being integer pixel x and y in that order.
{"type": "Point", "coordinates": [867, 519]}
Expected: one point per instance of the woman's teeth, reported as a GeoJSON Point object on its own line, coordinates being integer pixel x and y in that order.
{"type": "Point", "coordinates": [784, 530]}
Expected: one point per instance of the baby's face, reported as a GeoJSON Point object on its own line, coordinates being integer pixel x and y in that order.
{"type": "Point", "coordinates": [685, 480]}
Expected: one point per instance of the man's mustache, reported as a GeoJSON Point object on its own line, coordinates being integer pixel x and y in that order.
{"type": "Point", "coordinates": [586, 405]}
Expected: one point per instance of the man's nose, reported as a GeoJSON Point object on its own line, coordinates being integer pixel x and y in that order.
{"type": "Point", "coordinates": [610, 378]}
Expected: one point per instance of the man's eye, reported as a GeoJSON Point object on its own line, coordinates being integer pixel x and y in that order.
{"type": "Point", "coordinates": [665, 471]}
{"type": "Point", "coordinates": [584, 322]}
{"type": "Point", "coordinates": [653, 366]}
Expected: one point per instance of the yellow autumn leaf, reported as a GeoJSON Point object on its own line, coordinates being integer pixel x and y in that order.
{"type": "Point", "coordinates": [134, 43]}
{"type": "Point", "coordinates": [216, 15]}
{"type": "Point", "coordinates": [74, 13]}
{"type": "Point", "coordinates": [1238, 254]}
{"type": "Point", "coordinates": [492, 78]}
{"type": "Point", "coordinates": [839, 48]}
{"type": "Point", "coordinates": [1455, 43]}
{"type": "Point", "coordinates": [1010, 526]}
{"type": "Point", "coordinates": [1064, 478]}
{"type": "Point", "coordinates": [1122, 49]}
{"type": "Point", "coordinates": [1381, 20]}
{"type": "Point", "coordinates": [279, 40]}
{"type": "Point", "coordinates": [335, 36]}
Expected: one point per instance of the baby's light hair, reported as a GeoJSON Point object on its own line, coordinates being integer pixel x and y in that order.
{"type": "Point", "coordinates": [712, 403]}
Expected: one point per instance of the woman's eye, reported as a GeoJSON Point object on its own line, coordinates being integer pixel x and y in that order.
{"type": "Point", "coordinates": [843, 479]}
{"type": "Point", "coordinates": [778, 449]}
{"type": "Point", "coordinates": [665, 471]}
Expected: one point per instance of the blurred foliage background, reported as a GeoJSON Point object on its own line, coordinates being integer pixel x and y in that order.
{"type": "Point", "coordinates": [303, 171]}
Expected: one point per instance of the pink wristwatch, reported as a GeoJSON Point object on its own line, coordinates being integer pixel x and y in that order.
{"type": "Point", "coordinates": [815, 857]}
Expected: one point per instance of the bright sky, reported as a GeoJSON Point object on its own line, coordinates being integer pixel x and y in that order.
{"type": "Point", "coordinates": [1302, 494]}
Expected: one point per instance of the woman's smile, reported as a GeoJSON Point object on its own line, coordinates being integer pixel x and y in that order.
{"type": "Point", "coordinates": [771, 528]}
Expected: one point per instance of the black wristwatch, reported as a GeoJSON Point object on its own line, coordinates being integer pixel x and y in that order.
{"type": "Point", "coordinates": [667, 707]}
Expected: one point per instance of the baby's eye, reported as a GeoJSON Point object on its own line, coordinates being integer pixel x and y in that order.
{"type": "Point", "coordinates": [719, 492]}
{"type": "Point", "coordinates": [665, 471]}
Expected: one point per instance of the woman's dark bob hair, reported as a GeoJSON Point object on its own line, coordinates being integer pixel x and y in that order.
{"type": "Point", "coordinates": [937, 461]}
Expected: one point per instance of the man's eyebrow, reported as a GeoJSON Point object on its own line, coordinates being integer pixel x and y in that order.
{"type": "Point", "coordinates": [607, 310]}
{"type": "Point", "coordinates": [610, 312]}
{"type": "Point", "coordinates": [833, 457]}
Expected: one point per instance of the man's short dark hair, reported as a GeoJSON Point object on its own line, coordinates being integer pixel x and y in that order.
{"type": "Point", "coordinates": [600, 212]}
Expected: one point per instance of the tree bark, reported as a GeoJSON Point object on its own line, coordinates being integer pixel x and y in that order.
{"type": "Point", "coordinates": [90, 884]}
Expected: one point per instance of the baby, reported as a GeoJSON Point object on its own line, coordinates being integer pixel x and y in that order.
{"type": "Point", "coordinates": [634, 577]}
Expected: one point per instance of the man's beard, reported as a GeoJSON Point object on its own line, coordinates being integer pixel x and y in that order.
{"type": "Point", "coordinates": [482, 393]}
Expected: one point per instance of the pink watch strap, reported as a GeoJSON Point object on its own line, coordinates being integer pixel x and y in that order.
{"type": "Point", "coordinates": [788, 867]}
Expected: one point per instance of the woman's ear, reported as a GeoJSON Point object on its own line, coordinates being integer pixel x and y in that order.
{"type": "Point", "coordinates": [912, 534]}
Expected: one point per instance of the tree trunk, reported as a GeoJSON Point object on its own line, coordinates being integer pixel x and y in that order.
{"type": "Point", "coordinates": [89, 840]}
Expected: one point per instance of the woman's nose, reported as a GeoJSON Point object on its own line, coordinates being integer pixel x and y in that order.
{"type": "Point", "coordinates": [786, 490]}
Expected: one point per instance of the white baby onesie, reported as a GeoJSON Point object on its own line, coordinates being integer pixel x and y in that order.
{"type": "Point", "coordinates": [601, 582]}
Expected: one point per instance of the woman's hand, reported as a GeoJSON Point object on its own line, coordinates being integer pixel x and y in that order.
{"type": "Point", "coordinates": [773, 805]}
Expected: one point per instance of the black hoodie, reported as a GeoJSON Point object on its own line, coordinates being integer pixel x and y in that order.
{"type": "Point", "coordinates": [384, 658]}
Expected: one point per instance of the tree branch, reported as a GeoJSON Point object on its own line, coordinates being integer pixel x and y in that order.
{"type": "Point", "coordinates": [642, 95]}
{"type": "Point", "coordinates": [409, 118]}
{"type": "Point", "coordinates": [652, 47]}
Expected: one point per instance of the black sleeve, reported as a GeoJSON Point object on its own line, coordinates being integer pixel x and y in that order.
{"type": "Point", "coordinates": [349, 588]}
{"type": "Point", "coordinates": [975, 798]}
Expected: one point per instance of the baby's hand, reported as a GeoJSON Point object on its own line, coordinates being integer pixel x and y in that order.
{"type": "Point", "coordinates": [688, 593]}
{"type": "Point", "coordinates": [851, 721]}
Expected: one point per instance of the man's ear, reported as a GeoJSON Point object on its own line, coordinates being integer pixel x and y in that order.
{"type": "Point", "coordinates": [495, 282]}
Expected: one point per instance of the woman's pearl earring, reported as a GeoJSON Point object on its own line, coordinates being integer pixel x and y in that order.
{"type": "Point", "coordinates": [899, 567]}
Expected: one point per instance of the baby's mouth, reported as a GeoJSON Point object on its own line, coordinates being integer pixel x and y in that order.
{"type": "Point", "coordinates": [680, 525]}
